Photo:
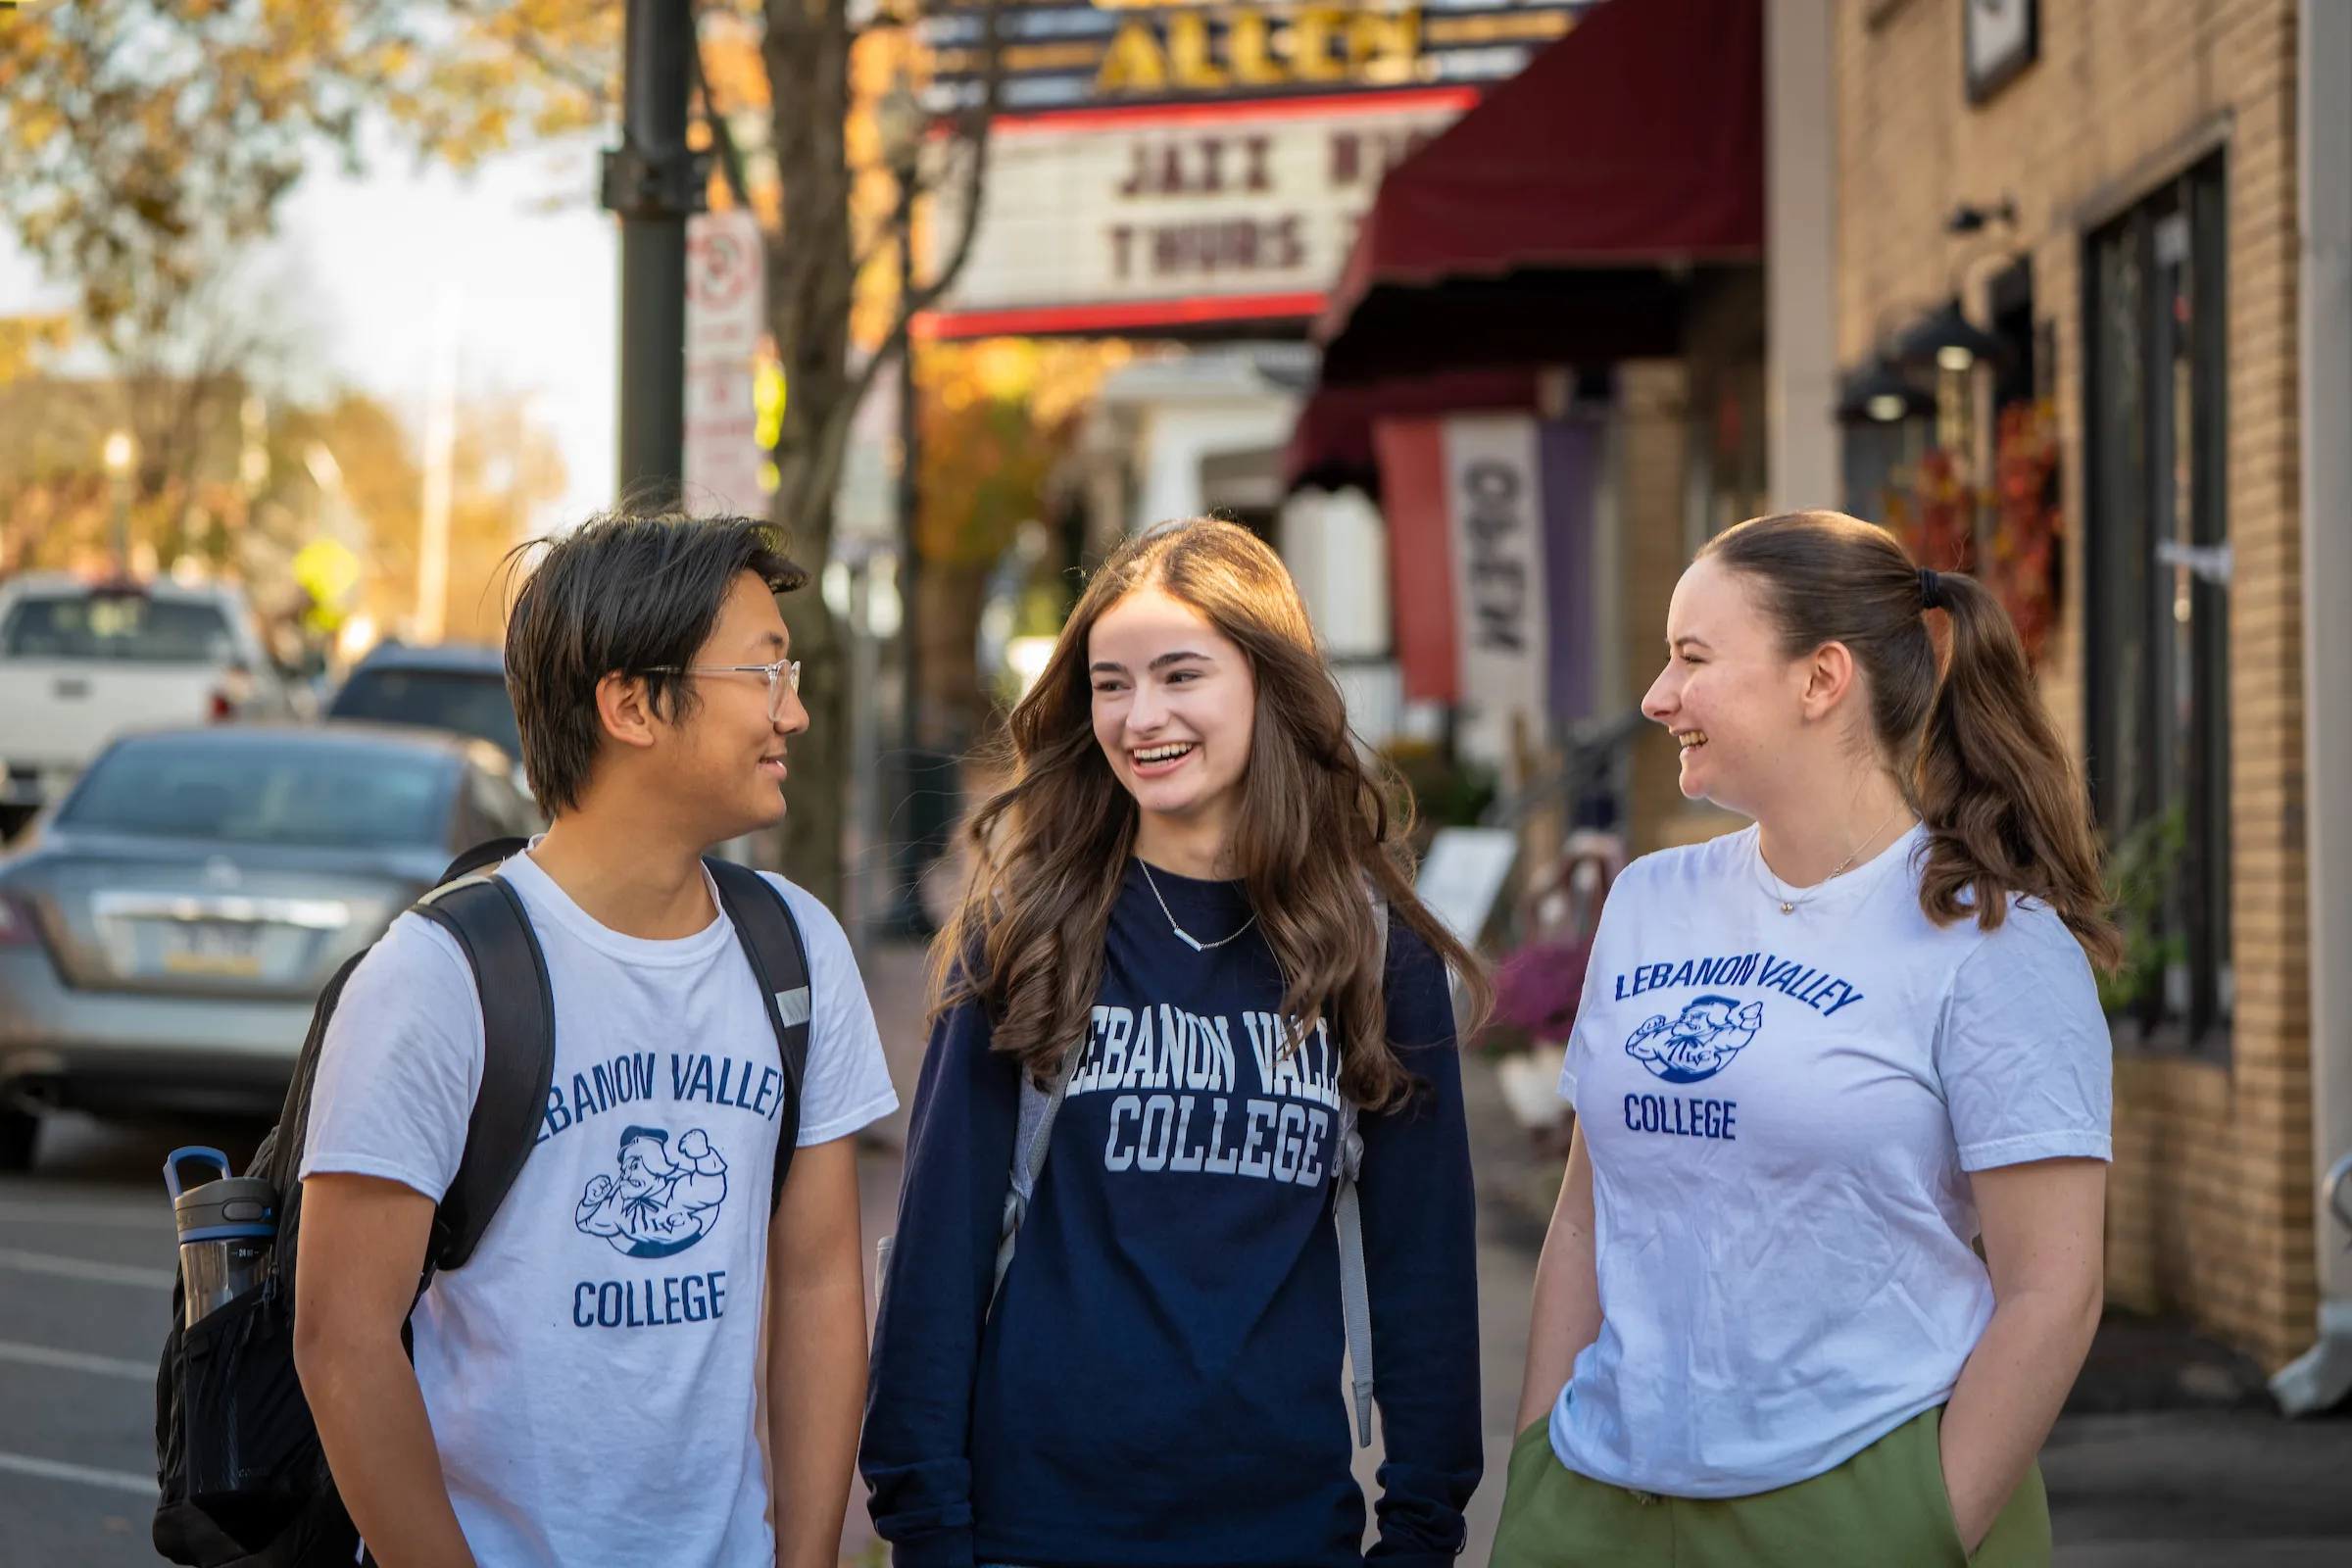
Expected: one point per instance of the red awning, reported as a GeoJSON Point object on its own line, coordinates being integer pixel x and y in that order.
{"type": "Point", "coordinates": [1332, 445]}
{"type": "Point", "coordinates": [1636, 141]}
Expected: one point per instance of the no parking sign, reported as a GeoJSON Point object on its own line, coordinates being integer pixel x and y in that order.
{"type": "Point", "coordinates": [726, 260]}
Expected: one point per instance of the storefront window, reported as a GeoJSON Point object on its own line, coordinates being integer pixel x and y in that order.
{"type": "Point", "coordinates": [1880, 461]}
{"type": "Point", "coordinates": [2159, 572]}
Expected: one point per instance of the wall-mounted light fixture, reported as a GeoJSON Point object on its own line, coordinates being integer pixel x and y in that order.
{"type": "Point", "coordinates": [1878, 393]}
{"type": "Point", "coordinates": [1946, 340]}
{"type": "Point", "coordinates": [1967, 217]}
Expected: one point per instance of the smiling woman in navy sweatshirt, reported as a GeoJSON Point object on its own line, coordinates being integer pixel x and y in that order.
{"type": "Point", "coordinates": [1191, 909]}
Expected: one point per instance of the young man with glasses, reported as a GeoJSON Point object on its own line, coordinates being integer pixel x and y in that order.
{"type": "Point", "coordinates": [638, 1365]}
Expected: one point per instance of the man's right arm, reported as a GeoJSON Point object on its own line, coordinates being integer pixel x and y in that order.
{"type": "Point", "coordinates": [355, 1278]}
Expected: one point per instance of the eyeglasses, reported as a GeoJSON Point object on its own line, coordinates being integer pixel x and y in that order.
{"type": "Point", "coordinates": [782, 675]}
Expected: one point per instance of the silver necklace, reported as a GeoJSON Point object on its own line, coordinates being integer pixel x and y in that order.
{"type": "Point", "coordinates": [1182, 935]}
{"type": "Point", "coordinates": [1791, 906]}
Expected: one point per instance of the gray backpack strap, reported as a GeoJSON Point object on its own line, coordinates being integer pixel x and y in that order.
{"type": "Point", "coordinates": [1348, 1212]}
{"type": "Point", "coordinates": [1035, 1136]}
{"type": "Point", "coordinates": [1356, 1296]}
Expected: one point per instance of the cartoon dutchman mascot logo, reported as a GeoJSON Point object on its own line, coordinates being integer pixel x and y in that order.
{"type": "Point", "coordinates": [1699, 1043]}
{"type": "Point", "coordinates": [658, 1204]}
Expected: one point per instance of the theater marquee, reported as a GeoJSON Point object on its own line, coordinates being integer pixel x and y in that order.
{"type": "Point", "coordinates": [1173, 216]}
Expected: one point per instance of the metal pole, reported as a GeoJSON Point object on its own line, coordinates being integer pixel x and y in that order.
{"type": "Point", "coordinates": [865, 851]}
{"type": "Point", "coordinates": [653, 181]}
{"type": "Point", "coordinates": [910, 822]}
{"type": "Point", "coordinates": [910, 490]}
{"type": "Point", "coordinates": [121, 455]}
{"type": "Point", "coordinates": [2320, 1377]}
{"type": "Point", "coordinates": [440, 442]}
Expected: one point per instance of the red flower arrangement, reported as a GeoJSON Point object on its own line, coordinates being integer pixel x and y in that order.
{"type": "Point", "coordinates": [2028, 522]}
{"type": "Point", "coordinates": [1936, 519]}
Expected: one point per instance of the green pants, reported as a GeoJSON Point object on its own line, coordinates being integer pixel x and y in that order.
{"type": "Point", "coordinates": [1885, 1507]}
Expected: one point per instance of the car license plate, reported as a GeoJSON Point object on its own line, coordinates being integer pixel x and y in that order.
{"type": "Point", "coordinates": [212, 947]}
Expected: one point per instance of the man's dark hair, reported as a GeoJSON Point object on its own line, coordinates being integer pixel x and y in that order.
{"type": "Point", "coordinates": [622, 594]}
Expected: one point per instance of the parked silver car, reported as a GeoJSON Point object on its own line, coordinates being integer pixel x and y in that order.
{"type": "Point", "coordinates": [165, 932]}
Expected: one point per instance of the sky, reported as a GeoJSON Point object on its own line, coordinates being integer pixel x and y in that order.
{"type": "Point", "coordinates": [363, 264]}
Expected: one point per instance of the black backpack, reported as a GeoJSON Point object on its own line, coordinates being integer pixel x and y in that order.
{"type": "Point", "coordinates": [243, 1479]}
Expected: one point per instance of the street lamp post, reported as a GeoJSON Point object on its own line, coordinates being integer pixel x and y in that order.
{"type": "Point", "coordinates": [865, 787]}
{"type": "Point", "coordinates": [899, 118]}
{"type": "Point", "coordinates": [121, 456]}
{"type": "Point", "coordinates": [655, 183]}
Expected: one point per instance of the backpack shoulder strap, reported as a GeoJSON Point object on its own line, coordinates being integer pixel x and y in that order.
{"type": "Point", "coordinates": [1348, 1214]}
{"type": "Point", "coordinates": [771, 941]}
{"type": "Point", "coordinates": [486, 856]}
{"type": "Point", "coordinates": [1033, 1138]}
{"type": "Point", "coordinates": [487, 919]}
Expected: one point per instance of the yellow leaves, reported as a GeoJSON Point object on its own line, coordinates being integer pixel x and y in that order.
{"type": "Point", "coordinates": [996, 415]}
{"type": "Point", "coordinates": [24, 340]}
{"type": "Point", "coordinates": [32, 128]}
{"type": "Point", "coordinates": [731, 62]}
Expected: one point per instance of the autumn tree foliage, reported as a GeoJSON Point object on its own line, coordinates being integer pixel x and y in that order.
{"type": "Point", "coordinates": [146, 145]}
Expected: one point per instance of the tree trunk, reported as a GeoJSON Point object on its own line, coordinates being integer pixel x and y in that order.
{"type": "Point", "coordinates": [809, 279]}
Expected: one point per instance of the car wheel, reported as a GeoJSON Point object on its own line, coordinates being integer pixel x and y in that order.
{"type": "Point", "coordinates": [19, 1131]}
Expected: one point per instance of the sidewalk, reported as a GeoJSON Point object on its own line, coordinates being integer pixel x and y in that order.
{"type": "Point", "coordinates": [2172, 1454]}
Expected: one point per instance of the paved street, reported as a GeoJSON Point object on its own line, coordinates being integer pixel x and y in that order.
{"type": "Point", "coordinates": [85, 1297]}
{"type": "Point", "coordinates": [2174, 1463]}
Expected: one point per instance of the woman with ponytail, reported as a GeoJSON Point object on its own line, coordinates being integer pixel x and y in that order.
{"type": "Point", "coordinates": [1193, 1016]}
{"type": "Point", "coordinates": [1819, 1064]}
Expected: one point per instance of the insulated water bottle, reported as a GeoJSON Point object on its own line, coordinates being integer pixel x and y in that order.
{"type": "Point", "coordinates": [227, 1225]}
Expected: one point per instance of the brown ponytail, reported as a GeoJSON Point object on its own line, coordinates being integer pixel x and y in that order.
{"type": "Point", "coordinates": [2004, 809]}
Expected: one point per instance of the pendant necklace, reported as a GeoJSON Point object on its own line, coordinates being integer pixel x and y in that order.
{"type": "Point", "coordinates": [1182, 935]}
{"type": "Point", "coordinates": [1791, 906]}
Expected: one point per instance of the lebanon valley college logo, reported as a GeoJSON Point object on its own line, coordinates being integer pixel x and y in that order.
{"type": "Point", "coordinates": [1699, 1043]}
{"type": "Point", "coordinates": [657, 1203]}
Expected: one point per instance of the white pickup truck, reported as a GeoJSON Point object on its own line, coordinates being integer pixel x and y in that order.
{"type": "Point", "coordinates": [82, 662]}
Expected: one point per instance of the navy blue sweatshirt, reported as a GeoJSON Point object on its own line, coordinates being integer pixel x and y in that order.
{"type": "Point", "coordinates": [1160, 1383]}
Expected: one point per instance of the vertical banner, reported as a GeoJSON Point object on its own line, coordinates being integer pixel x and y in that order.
{"type": "Point", "coordinates": [1494, 492]}
{"type": "Point", "coordinates": [726, 264]}
{"type": "Point", "coordinates": [1413, 501]}
{"type": "Point", "coordinates": [1490, 539]}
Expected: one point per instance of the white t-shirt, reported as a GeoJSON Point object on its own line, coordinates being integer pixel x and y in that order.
{"type": "Point", "coordinates": [592, 1373]}
{"type": "Point", "coordinates": [1782, 1112]}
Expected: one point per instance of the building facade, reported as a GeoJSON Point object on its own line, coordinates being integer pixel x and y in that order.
{"type": "Point", "coordinates": [2109, 192]}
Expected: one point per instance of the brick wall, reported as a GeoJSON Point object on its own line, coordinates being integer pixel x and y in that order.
{"type": "Point", "coordinates": [1652, 397]}
{"type": "Point", "coordinates": [2209, 1201]}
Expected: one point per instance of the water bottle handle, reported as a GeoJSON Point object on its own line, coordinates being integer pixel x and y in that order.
{"type": "Point", "coordinates": [194, 1151]}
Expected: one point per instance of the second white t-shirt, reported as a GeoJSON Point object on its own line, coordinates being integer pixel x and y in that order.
{"type": "Point", "coordinates": [592, 1374]}
{"type": "Point", "coordinates": [1781, 1112]}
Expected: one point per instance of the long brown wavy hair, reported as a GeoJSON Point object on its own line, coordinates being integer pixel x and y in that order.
{"type": "Point", "coordinates": [2004, 807]}
{"type": "Point", "coordinates": [1318, 826]}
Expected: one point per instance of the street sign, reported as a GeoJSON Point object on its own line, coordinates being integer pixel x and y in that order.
{"type": "Point", "coordinates": [327, 570]}
{"type": "Point", "coordinates": [726, 262]}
